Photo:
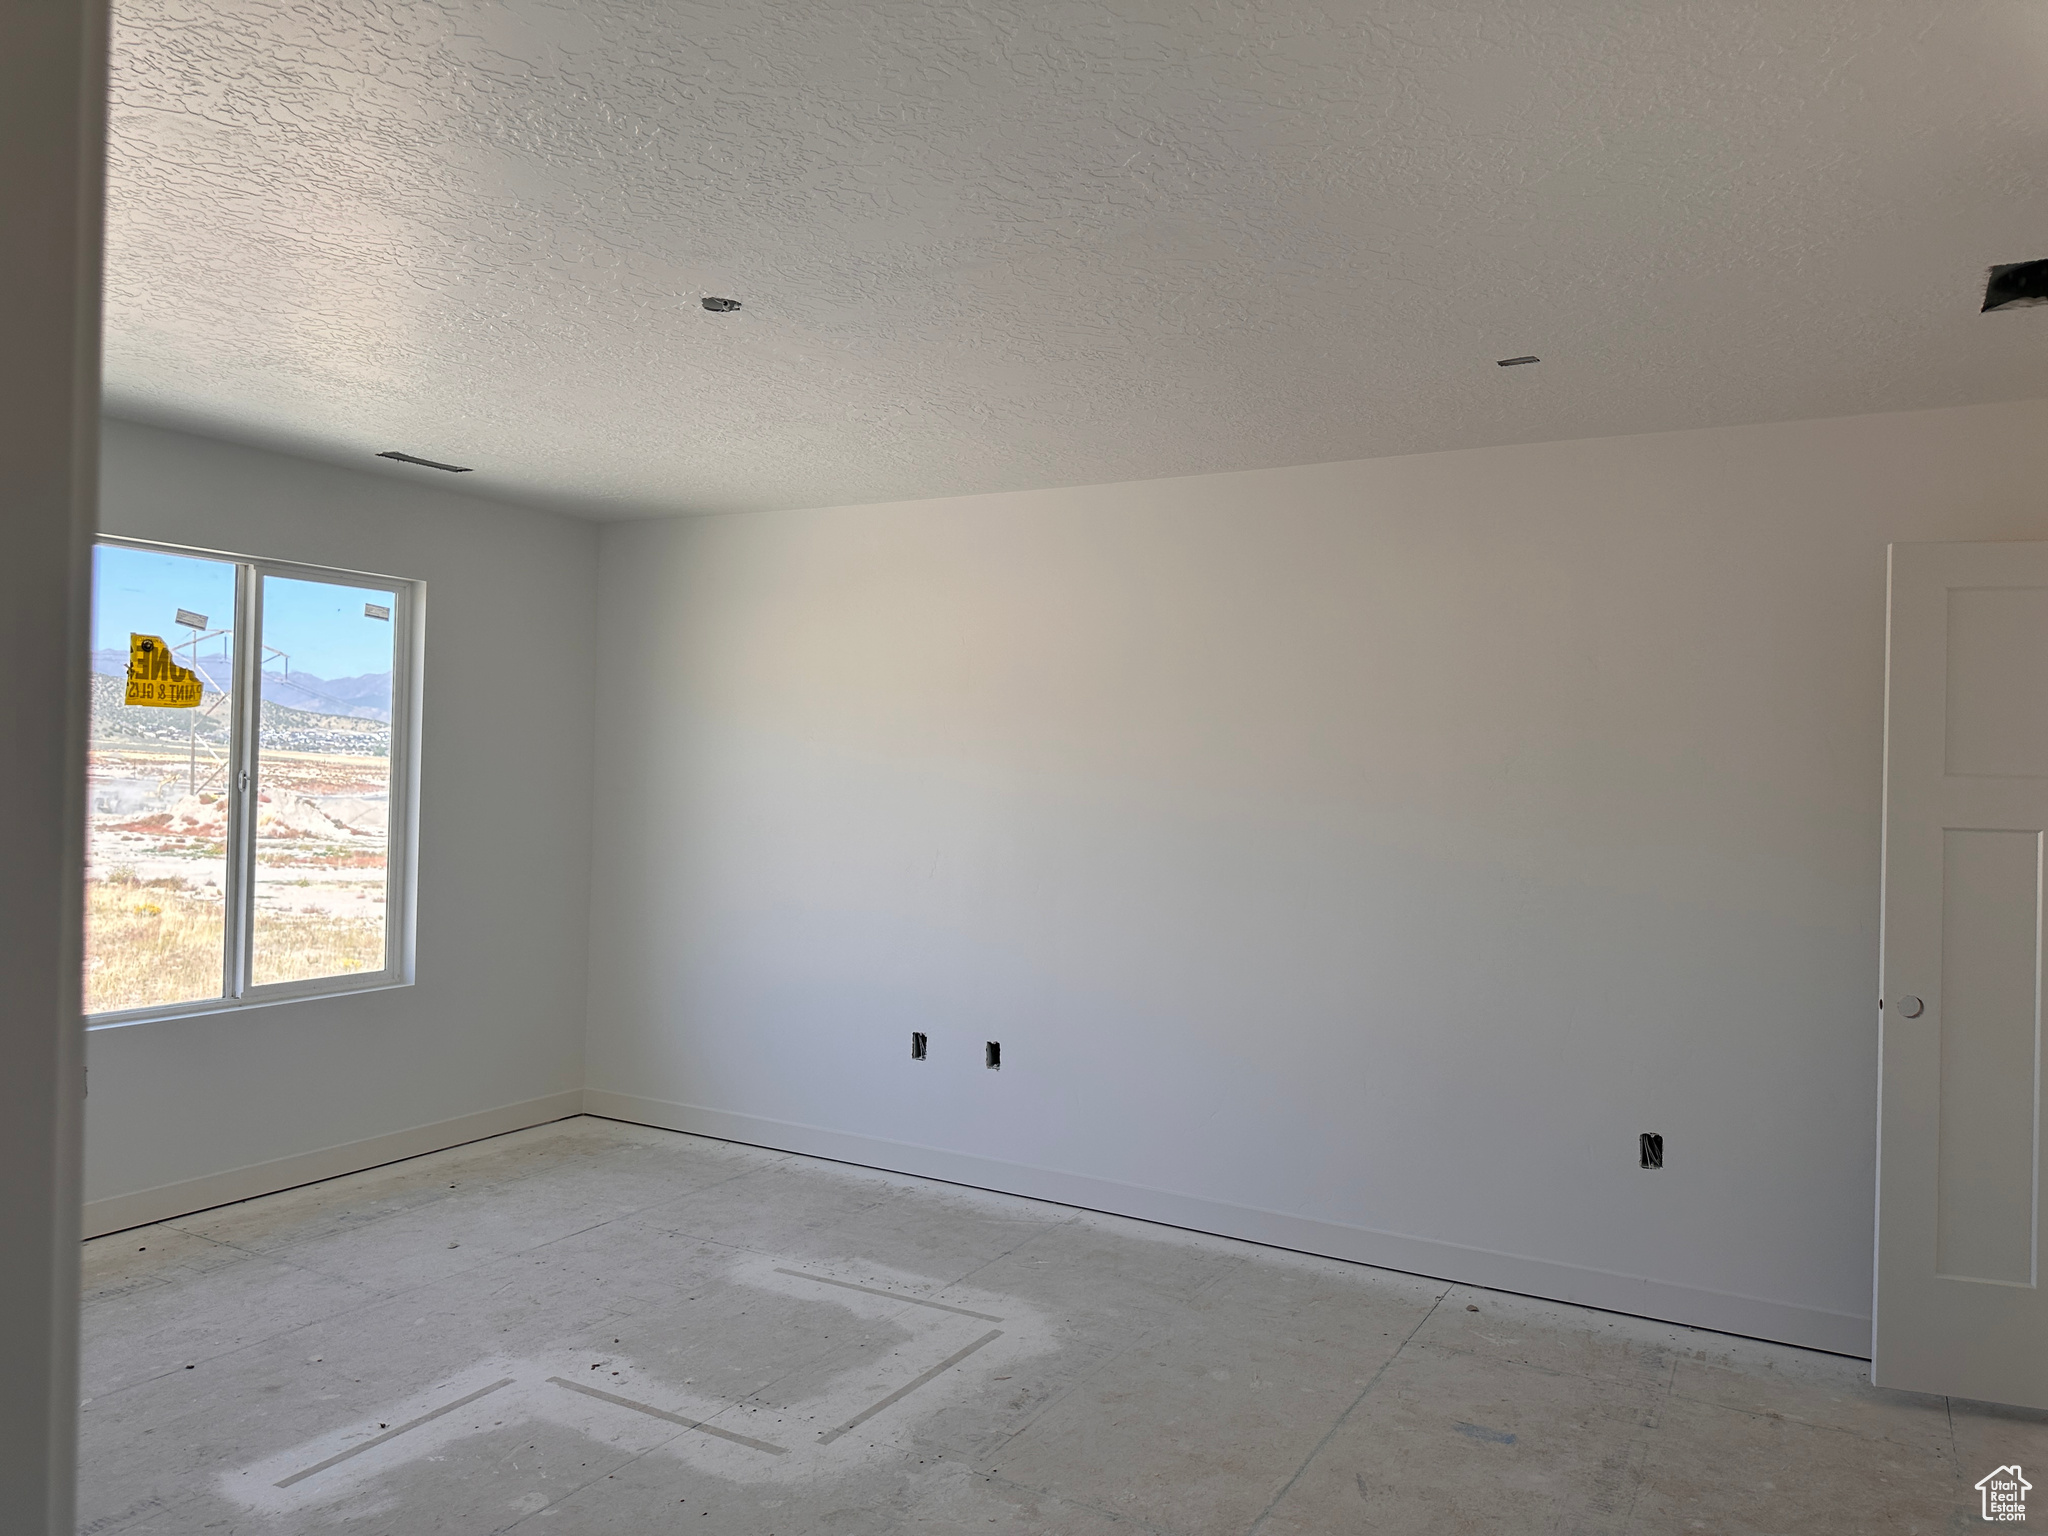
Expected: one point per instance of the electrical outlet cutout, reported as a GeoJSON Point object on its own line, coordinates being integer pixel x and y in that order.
{"type": "Point", "coordinates": [1651, 1146]}
{"type": "Point", "coordinates": [916, 1046]}
{"type": "Point", "coordinates": [993, 1055]}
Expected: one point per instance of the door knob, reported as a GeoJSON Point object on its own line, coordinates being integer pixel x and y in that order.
{"type": "Point", "coordinates": [1911, 1007]}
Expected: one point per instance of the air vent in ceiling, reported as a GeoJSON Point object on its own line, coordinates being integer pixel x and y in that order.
{"type": "Point", "coordinates": [2016, 285]}
{"type": "Point", "coordinates": [406, 458]}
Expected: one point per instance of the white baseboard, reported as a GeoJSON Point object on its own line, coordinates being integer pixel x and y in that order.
{"type": "Point", "coordinates": [1754, 1317]}
{"type": "Point", "coordinates": [117, 1212]}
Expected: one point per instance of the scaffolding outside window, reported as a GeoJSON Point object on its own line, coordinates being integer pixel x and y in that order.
{"type": "Point", "coordinates": [250, 782]}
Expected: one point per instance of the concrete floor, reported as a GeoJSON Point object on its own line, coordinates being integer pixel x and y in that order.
{"type": "Point", "coordinates": [598, 1328]}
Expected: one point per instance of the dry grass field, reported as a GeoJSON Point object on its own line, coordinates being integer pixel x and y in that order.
{"type": "Point", "coordinates": [156, 867]}
{"type": "Point", "coordinates": [293, 946]}
{"type": "Point", "coordinates": [149, 942]}
{"type": "Point", "coordinates": [158, 941]}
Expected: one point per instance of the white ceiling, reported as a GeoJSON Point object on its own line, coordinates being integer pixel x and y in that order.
{"type": "Point", "coordinates": [987, 245]}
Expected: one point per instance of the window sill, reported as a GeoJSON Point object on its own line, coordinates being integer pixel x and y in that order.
{"type": "Point", "coordinates": [289, 992]}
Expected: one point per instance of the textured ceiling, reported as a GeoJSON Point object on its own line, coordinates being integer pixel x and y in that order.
{"type": "Point", "coordinates": [987, 246]}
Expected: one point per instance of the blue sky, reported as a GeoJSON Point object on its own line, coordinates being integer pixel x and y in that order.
{"type": "Point", "coordinates": [322, 626]}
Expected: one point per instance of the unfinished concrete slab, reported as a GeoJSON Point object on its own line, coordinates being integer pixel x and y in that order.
{"type": "Point", "coordinates": [591, 1327]}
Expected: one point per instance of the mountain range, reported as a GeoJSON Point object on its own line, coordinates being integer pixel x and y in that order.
{"type": "Point", "coordinates": [282, 729]}
{"type": "Point", "coordinates": [364, 698]}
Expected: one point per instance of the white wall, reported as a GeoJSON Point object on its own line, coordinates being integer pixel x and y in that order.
{"type": "Point", "coordinates": [53, 58]}
{"type": "Point", "coordinates": [1355, 856]}
{"type": "Point", "coordinates": [187, 1112]}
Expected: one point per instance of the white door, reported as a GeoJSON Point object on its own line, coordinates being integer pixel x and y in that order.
{"type": "Point", "coordinates": [1959, 1306]}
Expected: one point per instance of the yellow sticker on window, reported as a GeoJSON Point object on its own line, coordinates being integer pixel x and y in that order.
{"type": "Point", "coordinates": [155, 681]}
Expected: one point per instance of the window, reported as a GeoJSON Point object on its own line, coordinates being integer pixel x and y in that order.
{"type": "Point", "coordinates": [249, 782]}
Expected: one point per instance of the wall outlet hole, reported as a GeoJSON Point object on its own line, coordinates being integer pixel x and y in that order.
{"type": "Point", "coordinates": [916, 1046]}
{"type": "Point", "coordinates": [992, 1053]}
{"type": "Point", "coordinates": [1652, 1149]}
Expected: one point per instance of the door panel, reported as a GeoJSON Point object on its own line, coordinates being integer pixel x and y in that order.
{"type": "Point", "coordinates": [1990, 1029]}
{"type": "Point", "coordinates": [1958, 1308]}
{"type": "Point", "coordinates": [1988, 732]}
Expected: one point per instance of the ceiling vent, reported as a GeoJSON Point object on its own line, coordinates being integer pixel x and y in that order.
{"type": "Point", "coordinates": [2016, 285]}
{"type": "Point", "coordinates": [406, 458]}
{"type": "Point", "coordinates": [1514, 362]}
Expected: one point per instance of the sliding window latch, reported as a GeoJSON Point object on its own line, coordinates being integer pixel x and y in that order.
{"type": "Point", "coordinates": [242, 782]}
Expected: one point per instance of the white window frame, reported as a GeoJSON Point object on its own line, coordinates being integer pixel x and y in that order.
{"type": "Point", "coordinates": [245, 705]}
